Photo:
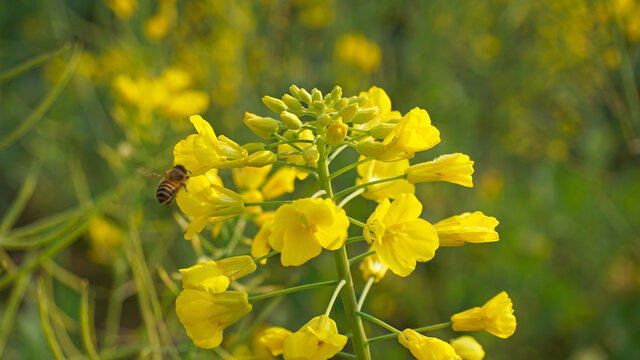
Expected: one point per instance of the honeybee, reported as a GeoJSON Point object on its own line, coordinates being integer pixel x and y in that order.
{"type": "Point", "coordinates": [170, 184]}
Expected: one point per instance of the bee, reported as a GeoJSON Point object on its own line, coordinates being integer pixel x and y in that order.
{"type": "Point", "coordinates": [170, 184]}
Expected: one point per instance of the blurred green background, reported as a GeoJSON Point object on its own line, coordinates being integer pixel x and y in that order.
{"type": "Point", "coordinates": [542, 95]}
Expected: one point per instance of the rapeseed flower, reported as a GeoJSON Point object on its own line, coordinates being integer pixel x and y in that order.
{"type": "Point", "coordinates": [355, 49]}
{"type": "Point", "coordinates": [280, 183]}
{"type": "Point", "coordinates": [468, 348]}
{"type": "Point", "coordinates": [496, 317]}
{"type": "Point", "coordinates": [468, 227]}
{"type": "Point", "coordinates": [427, 348]}
{"type": "Point", "coordinates": [301, 229]}
{"type": "Point", "coordinates": [260, 244]}
{"type": "Point", "coordinates": [377, 98]}
{"type": "Point", "coordinates": [372, 266]}
{"type": "Point", "coordinates": [375, 170]}
{"type": "Point", "coordinates": [413, 133]}
{"type": "Point", "coordinates": [215, 276]}
{"type": "Point", "coordinates": [273, 338]}
{"type": "Point", "coordinates": [399, 236]}
{"type": "Point", "coordinates": [316, 340]}
{"type": "Point", "coordinates": [454, 168]}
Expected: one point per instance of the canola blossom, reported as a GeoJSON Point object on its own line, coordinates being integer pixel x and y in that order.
{"type": "Point", "coordinates": [468, 348]}
{"type": "Point", "coordinates": [308, 132]}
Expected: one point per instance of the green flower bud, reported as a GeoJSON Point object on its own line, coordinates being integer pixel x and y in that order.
{"type": "Point", "coordinates": [381, 131]}
{"type": "Point", "coordinates": [316, 95]}
{"type": "Point", "coordinates": [261, 126]}
{"type": "Point", "coordinates": [253, 147]}
{"type": "Point", "coordinates": [260, 159]}
{"type": "Point", "coordinates": [341, 103]}
{"type": "Point", "coordinates": [336, 132]}
{"type": "Point", "coordinates": [275, 105]}
{"type": "Point", "coordinates": [310, 154]}
{"type": "Point", "coordinates": [290, 134]}
{"type": "Point", "coordinates": [318, 105]}
{"type": "Point", "coordinates": [290, 120]}
{"type": "Point", "coordinates": [336, 94]}
{"type": "Point", "coordinates": [360, 100]}
{"type": "Point", "coordinates": [348, 112]}
{"type": "Point", "coordinates": [370, 148]}
{"type": "Point", "coordinates": [365, 115]}
{"type": "Point", "coordinates": [324, 119]}
{"type": "Point", "coordinates": [291, 102]}
{"type": "Point", "coordinates": [305, 96]}
{"type": "Point", "coordinates": [294, 90]}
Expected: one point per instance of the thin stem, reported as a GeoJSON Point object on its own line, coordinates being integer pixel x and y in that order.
{"type": "Point", "coordinates": [334, 297]}
{"type": "Point", "coordinates": [318, 194]}
{"type": "Point", "coordinates": [346, 355]}
{"type": "Point", "coordinates": [360, 257]}
{"type": "Point", "coordinates": [302, 166]}
{"type": "Point", "coordinates": [286, 153]}
{"type": "Point", "coordinates": [349, 167]}
{"type": "Point", "coordinates": [356, 222]}
{"type": "Point", "coordinates": [31, 63]}
{"type": "Point", "coordinates": [359, 137]}
{"type": "Point", "coordinates": [354, 239]}
{"type": "Point", "coordinates": [47, 329]}
{"type": "Point", "coordinates": [362, 186]}
{"type": "Point", "coordinates": [268, 146]}
{"type": "Point", "coordinates": [350, 197]}
{"type": "Point", "coordinates": [10, 310]}
{"type": "Point", "coordinates": [422, 329]}
{"type": "Point", "coordinates": [365, 291]}
{"type": "Point", "coordinates": [266, 256]}
{"type": "Point", "coordinates": [336, 152]}
{"type": "Point", "coordinates": [292, 290]}
{"type": "Point", "coordinates": [377, 321]}
{"type": "Point", "coordinates": [268, 203]}
{"type": "Point", "coordinates": [282, 138]}
{"type": "Point", "coordinates": [85, 328]}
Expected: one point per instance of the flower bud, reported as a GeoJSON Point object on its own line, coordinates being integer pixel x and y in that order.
{"type": "Point", "coordinates": [275, 105]}
{"type": "Point", "coordinates": [361, 100]}
{"type": "Point", "coordinates": [316, 95]}
{"type": "Point", "coordinates": [365, 115]}
{"type": "Point", "coordinates": [253, 147]}
{"type": "Point", "coordinates": [317, 105]}
{"type": "Point", "coordinates": [310, 154]}
{"type": "Point", "coordinates": [290, 134]}
{"type": "Point", "coordinates": [261, 126]}
{"type": "Point", "coordinates": [370, 148]}
{"type": "Point", "coordinates": [381, 131]}
{"type": "Point", "coordinates": [468, 348]}
{"type": "Point", "coordinates": [294, 90]}
{"type": "Point", "coordinates": [290, 120]}
{"type": "Point", "coordinates": [336, 132]}
{"type": "Point", "coordinates": [291, 102]}
{"type": "Point", "coordinates": [304, 96]}
{"type": "Point", "coordinates": [341, 103]}
{"type": "Point", "coordinates": [372, 266]}
{"type": "Point", "coordinates": [348, 112]}
{"type": "Point", "coordinates": [336, 94]}
{"type": "Point", "coordinates": [260, 159]}
{"type": "Point", "coordinates": [324, 119]}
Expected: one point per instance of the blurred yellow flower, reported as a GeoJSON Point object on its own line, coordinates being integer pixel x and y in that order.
{"type": "Point", "coordinates": [399, 236]}
{"type": "Point", "coordinates": [316, 340]}
{"type": "Point", "coordinates": [122, 8]}
{"type": "Point", "coordinates": [204, 315]}
{"type": "Point", "coordinates": [454, 168]}
{"type": "Point", "coordinates": [372, 266]}
{"type": "Point", "coordinates": [468, 348]}
{"type": "Point", "coordinates": [468, 227]}
{"type": "Point", "coordinates": [215, 276]}
{"type": "Point", "coordinates": [105, 239]}
{"type": "Point", "coordinates": [375, 170]}
{"type": "Point", "coordinates": [496, 317]}
{"type": "Point", "coordinates": [413, 133]}
{"type": "Point", "coordinates": [250, 178]}
{"type": "Point", "coordinates": [356, 50]}
{"type": "Point", "coordinates": [185, 103]}
{"type": "Point", "coordinates": [273, 338]}
{"type": "Point", "coordinates": [201, 152]}
{"type": "Point", "coordinates": [301, 229]}
{"type": "Point", "coordinates": [427, 348]}
{"type": "Point", "coordinates": [280, 183]}
{"type": "Point", "coordinates": [157, 27]}
{"type": "Point", "coordinates": [260, 245]}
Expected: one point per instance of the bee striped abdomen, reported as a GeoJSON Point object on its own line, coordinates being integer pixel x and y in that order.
{"type": "Point", "coordinates": [166, 191]}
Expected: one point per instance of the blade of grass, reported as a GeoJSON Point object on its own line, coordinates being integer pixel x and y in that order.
{"type": "Point", "coordinates": [11, 309]}
{"type": "Point", "coordinates": [54, 346]}
{"type": "Point", "coordinates": [31, 63]}
{"type": "Point", "coordinates": [85, 328]}
{"type": "Point", "coordinates": [20, 202]}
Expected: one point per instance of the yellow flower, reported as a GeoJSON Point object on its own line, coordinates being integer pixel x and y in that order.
{"type": "Point", "coordinates": [336, 132]}
{"type": "Point", "coordinates": [468, 348]}
{"type": "Point", "coordinates": [122, 8]}
{"type": "Point", "coordinates": [301, 229]}
{"type": "Point", "coordinates": [214, 276]}
{"type": "Point", "coordinates": [355, 49]}
{"type": "Point", "coordinates": [413, 133]}
{"type": "Point", "coordinates": [250, 178]}
{"type": "Point", "coordinates": [468, 227]}
{"type": "Point", "coordinates": [201, 152]}
{"type": "Point", "coordinates": [379, 99]}
{"type": "Point", "coordinates": [281, 182]}
{"type": "Point", "coordinates": [260, 244]}
{"type": "Point", "coordinates": [273, 338]}
{"type": "Point", "coordinates": [207, 201]}
{"type": "Point", "coordinates": [372, 266]}
{"type": "Point", "coordinates": [399, 236]}
{"type": "Point", "coordinates": [375, 170]}
{"type": "Point", "coordinates": [316, 340]}
{"type": "Point", "coordinates": [454, 168]}
{"type": "Point", "coordinates": [496, 317]}
{"type": "Point", "coordinates": [427, 348]}
{"type": "Point", "coordinates": [185, 103]}
{"type": "Point", "coordinates": [204, 315]}
{"type": "Point", "coordinates": [105, 239]}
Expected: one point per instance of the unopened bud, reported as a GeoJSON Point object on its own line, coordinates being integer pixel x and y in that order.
{"type": "Point", "coordinates": [260, 159]}
{"type": "Point", "coordinates": [317, 105]}
{"type": "Point", "coordinates": [316, 95]}
{"type": "Point", "coordinates": [290, 120]}
{"type": "Point", "coordinates": [348, 112]}
{"type": "Point", "coordinates": [275, 105]}
{"type": "Point", "coordinates": [324, 119]}
{"type": "Point", "coordinates": [381, 131]}
{"type": "Point", "coordinates": [336, 132]}
{"type": "Point", "coordinates": [261, 126]}
{"type": "Point", "coordinates": [304, 96]}
{"type": "Point", "coordinates": [361, 100]}
{"type": "Point", "coordinates": [291, 102]}
{"type": "Point", "coordinates": [253, 147]}
{"type": "Point", "coordinates": [294, 90]}
{"type": "Point", "coordinates": [341, 103]}
{"type": "Point", "coordinates": [365, 115]}
{"type": "Point", "coordinates": [370, 148]}
{"type": "Point", "coordinates": [336, 94]}
{"type": "Point", "coordinates": [310, 154]}
{"type": "Point", "coordinates": [290, 134]}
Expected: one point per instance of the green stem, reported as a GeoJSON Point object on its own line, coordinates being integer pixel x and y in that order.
{"type": "Point", "coordinates": [349, 167]}
{"type": "Point", "coordinates": [346, 355]}
{"type": "Point", "coordinates": [422, 329]}
{"type": "Point", "coordinates": [266, 256]}
{"type": "Point", "coordinates": [85, 328]}
{"type": "Point", "coordinates": [360, 257]}
{"type": "Point", "coordinates": [362, 186]}
{"type": "Point", "coordinates": [267, 203]}
{"type": "Point", "coordinates": [282, 138]}
{"type": "Point", "coordinates": [336, 152]}
{"type": "Point", "coordinates": [334, 297]}
{"type": "Point", "coordinates": [292, 290]}
{"type": "Point", "coordinates": [359, 339]}
{"type": "Point", "coordinates": [365, 291]}
{"type": "Point", "coordinates": [377, 321]}
{"type": "Point", "coordinates": [47, 329]}
{"type": "Point", "coordinates": [269, 146]}
{"type": "Point", "coordinates": [30, 64]}
{"type": "Point", "coordinates": [302, 166]}
{"type": "Point", "coordinates": [356, 222]}
{"type": "Point", "coordinates": [354, 239]}
{"type": "Point", "coordinates": [11, 309]}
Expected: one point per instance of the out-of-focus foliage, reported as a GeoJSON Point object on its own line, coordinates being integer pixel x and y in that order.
{"type": "Point", "coordinates": [543, 96]}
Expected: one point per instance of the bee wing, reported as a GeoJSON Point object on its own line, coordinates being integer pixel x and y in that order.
{"type": "Point", "coordinates": [148, 173]}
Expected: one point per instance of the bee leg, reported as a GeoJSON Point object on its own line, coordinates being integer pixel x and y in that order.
{"type": "Point", "coordinates": [184, 186]}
